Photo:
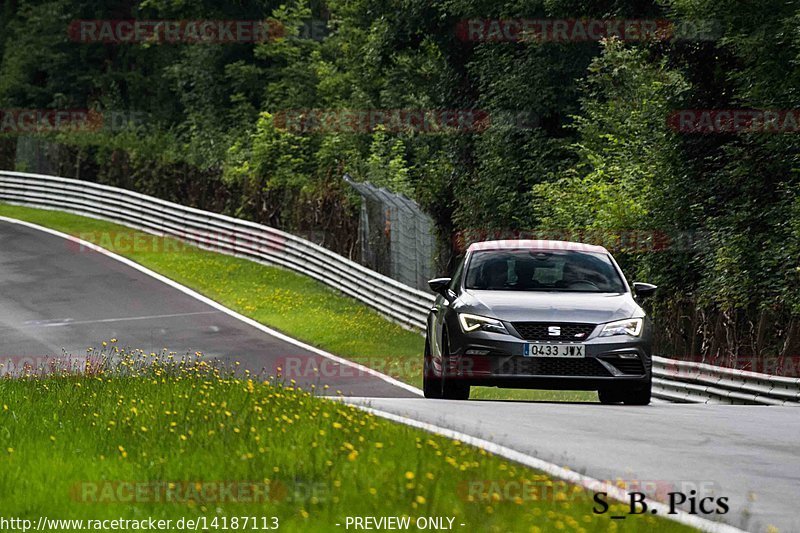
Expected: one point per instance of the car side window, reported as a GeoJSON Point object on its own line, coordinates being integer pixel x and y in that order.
{"type": "Point", "coordinates": [456, 277]}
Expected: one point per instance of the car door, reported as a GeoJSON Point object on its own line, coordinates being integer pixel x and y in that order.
{"type": "Point", "coordinates": [441, 308]}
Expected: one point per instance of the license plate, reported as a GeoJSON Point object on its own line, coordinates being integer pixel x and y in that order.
{"type": "Point", "coordinates": [553, 350]}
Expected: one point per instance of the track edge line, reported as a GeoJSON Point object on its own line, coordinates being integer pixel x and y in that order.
{"type": "Point", "coordinates": [216, 305]}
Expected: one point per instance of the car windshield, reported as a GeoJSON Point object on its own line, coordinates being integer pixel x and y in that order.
{"type": "Point", "coordinates": [550, 270]}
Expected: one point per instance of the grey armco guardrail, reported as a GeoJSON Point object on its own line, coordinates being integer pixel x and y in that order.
{"type": "Point", "coordinates": [673, 380]}
{"type": "Point", "coordinates": [689, 382]}
{"type": "Point", "coordinates": [398, 302]}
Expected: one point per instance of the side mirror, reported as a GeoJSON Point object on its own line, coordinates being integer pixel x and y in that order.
{"type": "Point", "coordinates": [644, 290]}
{"type": "Point", "coordinates": [439, 285]}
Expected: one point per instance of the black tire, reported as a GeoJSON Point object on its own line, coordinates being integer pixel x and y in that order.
{"type": "Point", "coordinates": [452, 389]}
{"type": "Point", "coordinates": [436, 387]}
{"type": "Point", "coordinates": [455, 391]}
{"type": "Point", "coordinates": [609, 396]}
{"type": "Point", "coordinates": [640, 396]}
{"type": "Point", "coordinates": [431, 384]}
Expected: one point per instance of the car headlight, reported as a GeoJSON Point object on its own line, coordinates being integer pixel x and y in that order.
{"type": "Point", "coordinates": [474, 322]}
{"type": "Point", "coordinates": [629, 326]}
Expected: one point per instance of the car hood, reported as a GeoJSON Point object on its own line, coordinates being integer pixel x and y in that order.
{"type": "Point", "coordinates": [533, 306]}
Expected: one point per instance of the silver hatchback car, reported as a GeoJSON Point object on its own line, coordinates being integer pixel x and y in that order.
{"type": "Point", "coordinates": [541, 315]}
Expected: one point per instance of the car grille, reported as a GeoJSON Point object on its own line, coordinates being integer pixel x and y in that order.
{"type": "Point", "coordinates": [539, 331]}
{"type": "Point", "coordinates": [632, 367]}
{"type": "Point", "coordinates": [546, 366]}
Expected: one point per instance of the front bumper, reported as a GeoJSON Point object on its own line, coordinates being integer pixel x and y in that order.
{"type": "Point", "coordinates": [490, 359]}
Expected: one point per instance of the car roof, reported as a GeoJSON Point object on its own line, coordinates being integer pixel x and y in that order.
{"type": "Point", "coordinates": [531, 244]}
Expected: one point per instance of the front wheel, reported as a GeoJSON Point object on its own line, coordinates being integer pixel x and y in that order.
{"type": "Point", "coordinates": [609, 396]}
{"type": "Point", "coordinates": [638, 396]}
{"type": "Point", "coordinates": [431, 384]}
{"type": "Point", "coordinates": [455, 391]}
{"type": "Point", "coordinates": [438, 387]}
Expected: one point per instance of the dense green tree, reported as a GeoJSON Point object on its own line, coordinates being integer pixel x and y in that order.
{"type": "Point", "coordinates": [576, 135]}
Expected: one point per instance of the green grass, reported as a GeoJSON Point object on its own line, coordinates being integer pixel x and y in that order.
{"type": "Point", "coordinates": [494, 393]}
{"type": "Point", "coordinates": [294, 304]}
{"type": "Point", "coordinates": [71, 444]}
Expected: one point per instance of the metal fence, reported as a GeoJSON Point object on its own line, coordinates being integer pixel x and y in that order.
{"type": "Point", "coordinates": [397, 238]}
{"type": "Point", "coordinates": [673, 380]}
{"type": "Point", "coordinates": [34, 154]}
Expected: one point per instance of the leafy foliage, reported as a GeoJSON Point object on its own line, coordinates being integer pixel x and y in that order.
{"type": "Point", "coordinates": [594, 152]}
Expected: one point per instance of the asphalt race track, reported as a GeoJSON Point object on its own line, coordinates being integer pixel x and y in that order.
{"type": "Point", "coordinates": [748, 453]}
{"type": "Point", "coordinates": [54, 297]}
